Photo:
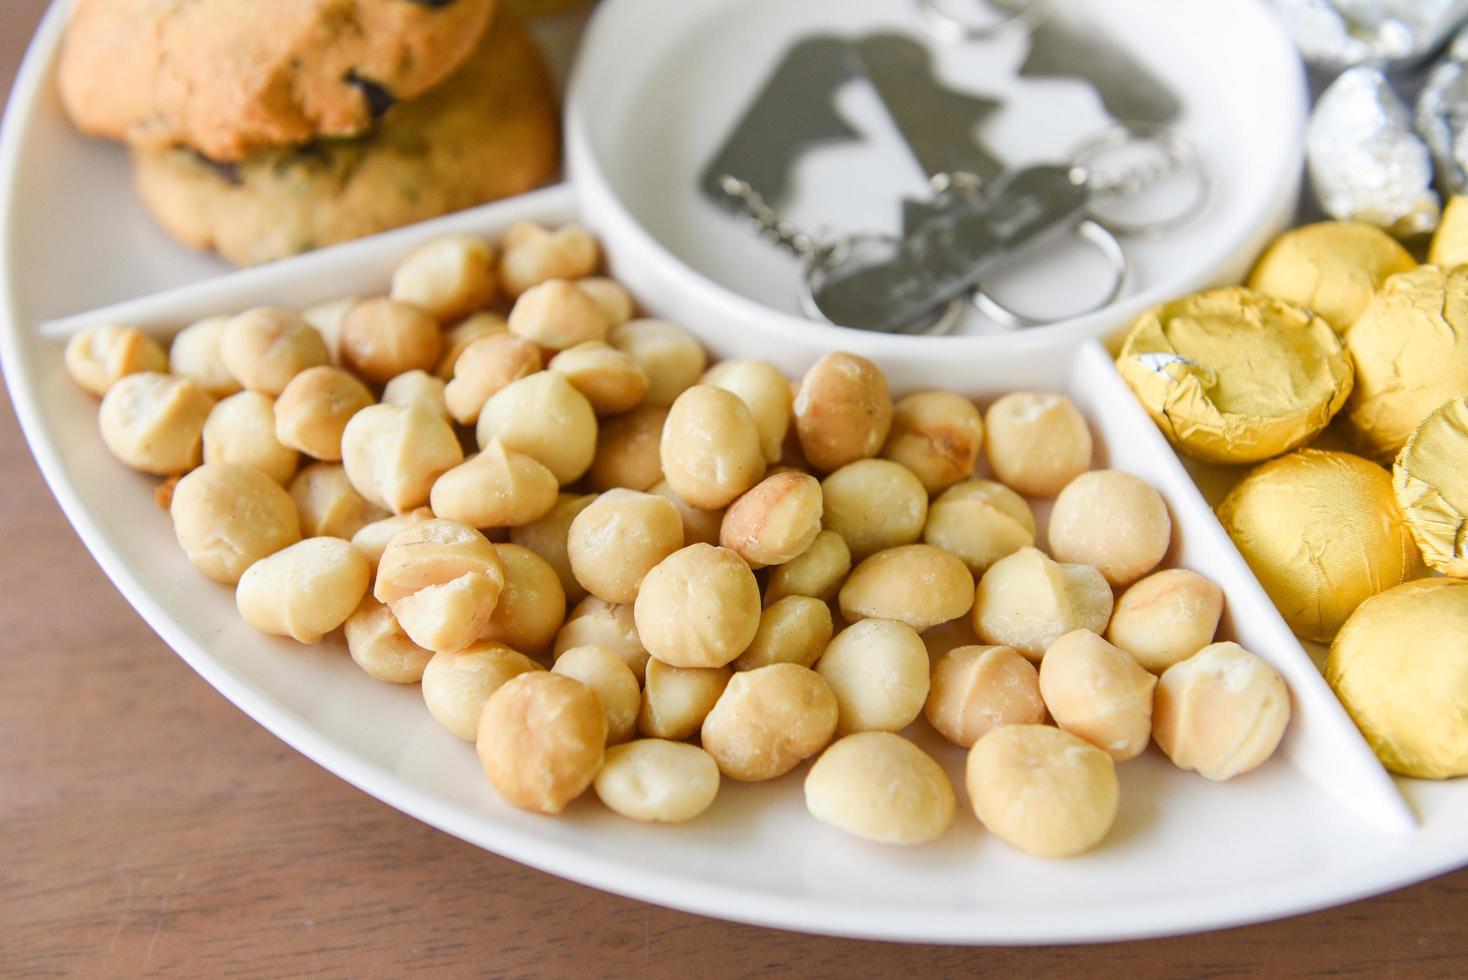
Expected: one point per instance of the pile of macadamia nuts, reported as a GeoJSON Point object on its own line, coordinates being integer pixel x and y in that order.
{"type": "Point", "coordinates": [613, 565]}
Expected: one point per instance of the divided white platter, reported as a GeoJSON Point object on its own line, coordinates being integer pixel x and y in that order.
{"type": "Point", "coordinates": [1319, 824]}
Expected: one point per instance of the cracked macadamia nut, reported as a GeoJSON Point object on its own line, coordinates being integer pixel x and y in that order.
{"type": "Point", "coordinates": [1042, 790]}
{"type": "Point", "coordinates": [699, 607]}
{"type": "Point", "coordinates": [794, 630]}
{"type": "Point", "coordinates": [878, 670]}
{"type": "Point", "coordinates": [155, 422]}
{"type": "Point", "coordinates": [241, 429]}
{"type": "Point", "coordinates": [486, 366]}
{"type": "Point", "coordinates": [460, 336]}
{"type": "Point", "coordinates": [1037, 442]}
{"type": "Point", "coordinates": [1098, 692]}
{"type": "Point", "coordinates": [194, 354]}
{"type": "Point", "coordinates": [818, 571]}
{"type": "Point", "coordinates": [456, 685]}
{"type": "Point", "coordinates": [541, 415]}
{"type": "Point", "coordinates": [775, 521]}
{"type": "Point", "coordinates": [843, 411]}
{"type": "Point", "coordinates": [1166, 617]}
{"type": "Point", "coordinates": [976, 689]}
{"type": "Point", "coordinates": [629, 450]}
{"type": "Point", "coordinates": [981, 522]}
{"type": "Point", "coordinates": [417, 387]}
{"type": "Point", "coordinates": [541, 740]}
{"type": "Point", "coordinates": [882, 788]}
{"type": "Point", "coordinates": [612, 681]}
{"type": "Point", "coordinates": [768, 721]}
{"type": "Point", "coordinates": [937, 435]}
{"type": "Point", "coordinates": [618, 539]}
{"type": "Point", "coordinates": [658, 781]}
{"type": "Point", "coordinates": [328, 505]}
{"type": "Point", "coordinates": [1113, 521]}
{"type": "Point", "coordinates": [547, 537]}
{"type": "Point", "coordinates": [609, 378]}
{"type": "Point", "coordinates": [671, 357]}
{"type": "Point", "coordinates": [372, 538]}
{"type": "Point", "coordinates": [556, 314]}
{"type": "Point", "coordinates": [393, 454]}
{"type": "Point", "coordinates": [765, 391]}
{"type": "Point", "coordinates": [710, 448]}
{"type": "Point", "coordinates": [1027, 601]}
{"type": "Point", "coordinates": [495, 488]}
{"type": "Point", "coordinates": [305, 590]}
{"type": "Point", "coordinates": [447, 278]}
{"type": "Point", "coordinates": [1221, 712]}
{"type": "Point", "coordinates": [313, 410]}
{"type": "Point", "coordinates": [382, 338]}
{"type": "Point", "coordinates": [596, 622]}
{"type": "Point", "coordinates": [228, 517]}
{"type": "Point", "coordinates": [916, 584]}
{"type": "Point", "coordinates": [874, 504]}
{"type": "Point", "coordinates": [442, 580]}
{"type": "Point", "coordinates": [380, 647]}
{"type": "Point", "coordinates": [531, 606]}
{"type": "Point", "coordinates": [699, 525]}
{"type": "Point", "coordinates": [265, 347]}
{"type": "Point", "coordinates": [98, 356]}
{"type": "Point", "coordinates": [676, 700]}
{"type": "Point", "coordinates": [531, 255]}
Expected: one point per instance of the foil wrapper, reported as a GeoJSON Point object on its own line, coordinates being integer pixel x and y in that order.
{"type": "Point", "coordinates": [1430, 478]}
{"type": "Point", "coordinates": [1450, 241]}
{"type": "Point", "coordinates": [1333, 268]}
{"type": "Point", "coordinates": [1441, 115]}
{"type": "Point", "coordinates": [1366, 163]}
{"type": "Point", "coordinates": [1323, 533]}
{"type": "Point", "coordinates": [1400, 667]}
{"type": "Point", "coordinates": [1410, 348]}
{"type": "Point", "coordinates": [1234, 376]}
{"type": "Point", "coordinates": [1337, 34]}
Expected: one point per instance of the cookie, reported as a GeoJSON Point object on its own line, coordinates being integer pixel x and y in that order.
{"type": "Point", "coordinates": [226, 77]}
{"type": "Point", "coordinates": [487, 132]}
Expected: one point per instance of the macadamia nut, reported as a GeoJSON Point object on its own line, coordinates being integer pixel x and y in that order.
{"type": "Point", "coordinates": [228, 517]}
{"type": "Point", "coordinates": [556, 315]}
{"type": "Point", "coordinates": [768, 720]}
{"type": "Point", "coordinates": [447, 277]}
{"type": "Point", "coordinates": [874, 504]}
{"type": "Point", "coordinates": [658, 781]}
{"type": "Point", "coordinates": [699, 525]}
{"type": "Point", "coordinates": [382, 338]}
{"type": "Point", "coordinates": [531, 606]}
{"type": "Point", "coordinates": [305, 590]}
{"type": "Point", "coordinates": [531, 255]}
{"type": "Point", "coordinates": [676, 700]}
{"type": "Point", "coordinates": [547, 537]}
{"type": "Point", "coordinates": [765, 392]}
{"type": "Point", "coordinates": [843, 411]}
{"type": "Point", "coordinates": [612, 681]}
{"type": "Point", "coordinates": [486, 366]}
{"type": "Point", "coordinates": [326, 319]}
{"type": "Point", "coordinates": [818, 571]}
{"type": "Point", "coordinates": [194, 354]}
{"type": "Point", "coordinates": [1221, 712]}
{"type": "Point", "coordinates": [495, 488]}
{"type": "Point", "coordinates": [775, 521]}
{"type": "Point", "coordinates": [1098, 692]}
{"type": "Point", "coordinates": [1037, 442]}
{"type": "Point", "coordinates": [155, 422]}
{"type": "Point", "coordinates": [699, 607]}
{"type": "Point", "coordinates": [313, 410]}
{"type": "Point", "coordinates": [794, 630]}
{"type": "Point", "coordinates": [456, 685]}
{"type": "Point", "coordinates": [671, 357]}
{"type": "Point", "coordinates": [541, 415]}
{"type": "Point", "coordinates": [1114, 522]}
{"type": "Point", "coordinates": [1027, 601]}
{"type": "Point", "coordinates": [937, 435]}
{"type": "Point", "coordinates": [417, 387]}
{"type": "Point", "coordinates": [1166, 618]}
{"type": "Point", "coordinates": [596, 622]}
{"type": "Point", "coordinates": [710, 447]}
{"type": "Point", "coordinates": [609, 378]}
{"type": "Point", "coordinates": [328, 505]}
{"type": "Point", "coordinates": [1043, 790]}
{"type": "Point", "coordinates": [976, 689]}
{"type": "Point", "coordinates": [981, 522]}
{"type": "Point", "coordinates": [241, 430]}
{"type": "Point", "coordinates": [456, 340]}
{"type": "Point", "coordinates": [880, 787]}
{"type": "Point", "coordinates": [380, 647]}
{"type": "Point", "coordinates": [97, 356]}
{"type": "Point", "coordinates": [878, 670]}
{"type": "Point", "coordinates": [615, 303]}
{"type": "Point", "coordinates": [629, 450]}
{"type": "Point", "coordinates": [916, 584]}
{"type": "Point", "coordinates": [541, 740]}
{"type": "Point", "coordinates": [372, 538]}
{"type": "Point", "coordinates": [265, 347]}
{"type": "Point", "coordinates": [618, 539]}
{"type": "Point", "coordinates": [394, 454]}
{"type": "Point", "coordinates": [442, 580]}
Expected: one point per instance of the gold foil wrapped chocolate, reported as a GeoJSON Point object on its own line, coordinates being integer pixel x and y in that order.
{"type": "Point", "coordinates": [1322, 532]}
{"type": "Point", "coordinates": [1234, 376]}
{"type": "Point", "coordinates": [1333, 268]}
{"type": "Point", "coordinates": [1450, 242]}
{"type": "Point", "coordinates": [1400, 666]}
{"type": "Point", "coordinates": [1410, 348]}
{"type": "Point", "coordinates": [1430, 478]}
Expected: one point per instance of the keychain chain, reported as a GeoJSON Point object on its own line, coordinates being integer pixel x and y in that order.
{"type": "Point", "coordinates": [771, 226]}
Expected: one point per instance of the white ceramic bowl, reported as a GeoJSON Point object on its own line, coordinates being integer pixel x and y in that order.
{"type": "Point", "coordinates": [1320, 823]}
{"type": "Point", "coordinates": [659, 83]}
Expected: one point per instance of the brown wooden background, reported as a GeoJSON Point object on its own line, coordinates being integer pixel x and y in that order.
{"type": "Point", "coordinates": [147, 826]}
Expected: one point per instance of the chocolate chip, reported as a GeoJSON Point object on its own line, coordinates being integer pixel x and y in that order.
{"type": "Point", "coordinates": [379, 99]}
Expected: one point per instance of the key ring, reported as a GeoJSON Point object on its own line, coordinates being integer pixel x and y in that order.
{"type": "Point", "coordinates": [1179, 154]}
{"type": "Point", "coordinates": [948, 26]}
{"type": "Point", "coordinates": [819, 263]}
{"type": "Point", "coordinates": [1105, 242]}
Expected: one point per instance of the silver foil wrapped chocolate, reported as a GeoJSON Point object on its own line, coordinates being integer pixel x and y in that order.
{"type": "Point", "coordinates": [1442, 115]}
{"type": "Point", "coordinates": [1366, 163]}
{"type": "Point", "coordinates": [1336, 34]}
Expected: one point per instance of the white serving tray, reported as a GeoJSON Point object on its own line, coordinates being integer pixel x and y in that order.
{"type": "Point", "coordinates": [1319, 824]}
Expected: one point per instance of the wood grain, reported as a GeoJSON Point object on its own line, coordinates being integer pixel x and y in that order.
{"type": "Point", "coordinates": [148, 827]}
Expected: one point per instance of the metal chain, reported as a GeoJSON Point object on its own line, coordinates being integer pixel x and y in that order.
{"type": "Point", "coordinates": [771, 226]}
{"type": "Point", "coordinates": [1131, 181]}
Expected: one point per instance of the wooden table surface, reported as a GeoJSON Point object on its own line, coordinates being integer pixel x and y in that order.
{"type": "Point", "coordinates": [147, 826]}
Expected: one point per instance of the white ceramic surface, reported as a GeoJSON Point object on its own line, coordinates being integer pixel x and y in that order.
{"type": "Point", "coordinates": [1319, 824]}
{"type": "Point", "coordinates": [659, 84]}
